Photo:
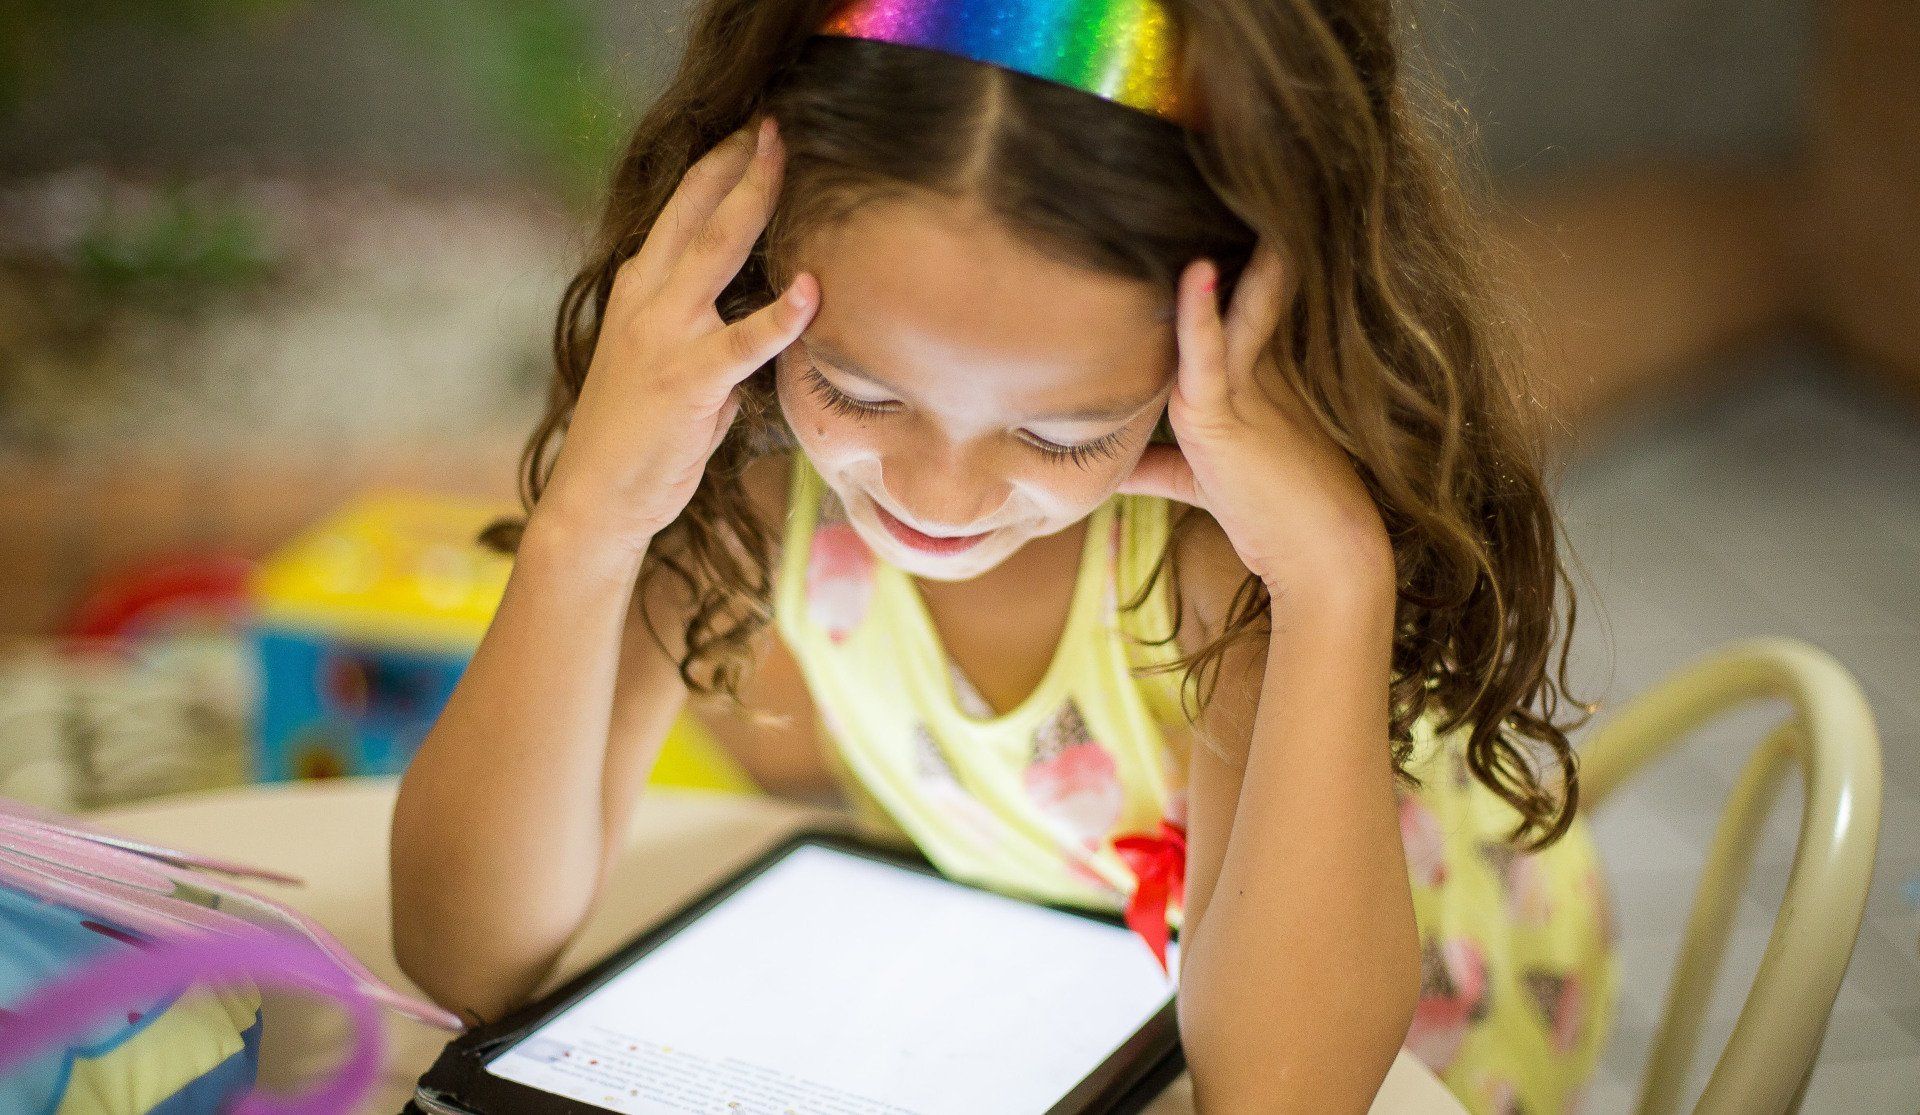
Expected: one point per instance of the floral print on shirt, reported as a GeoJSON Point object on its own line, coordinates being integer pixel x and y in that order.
{"type": "Point", "coordinates": [1453, 996]}
{"type": "Point", "coordinates": [840, 572]}
{"type": "Point", "coordinates": [1073, 779]}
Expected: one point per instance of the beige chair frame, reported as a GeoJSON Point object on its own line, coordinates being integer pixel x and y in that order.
{"type": "Point", "coordinates": [1830, 732]}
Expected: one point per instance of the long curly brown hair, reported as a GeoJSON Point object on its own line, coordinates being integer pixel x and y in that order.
{"type": "Point", "coordinates": [1406, 344]}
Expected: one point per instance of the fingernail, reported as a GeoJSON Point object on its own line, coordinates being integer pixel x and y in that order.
{"type": "Point", "coordinates": [764, 141]}
{"type": "Point", "coordinates": [1212, 278]}
{"type": "Point", "coordinates": [796, 295]}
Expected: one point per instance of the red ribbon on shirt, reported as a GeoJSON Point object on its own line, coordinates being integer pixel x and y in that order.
{"type": "Point", "coordinates": [1159, 862]}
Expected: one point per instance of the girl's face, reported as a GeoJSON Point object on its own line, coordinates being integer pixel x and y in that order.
{"type": "Point", "coordinates": [954, 382]}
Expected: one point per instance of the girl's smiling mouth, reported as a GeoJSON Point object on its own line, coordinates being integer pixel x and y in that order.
{"type": "Point", "coordinates": [925, 543]}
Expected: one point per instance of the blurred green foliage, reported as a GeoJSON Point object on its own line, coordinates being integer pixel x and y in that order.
{"type": "Point", "coordinates": [187, 246]}
{"type": "Point", "coordinates": [532, 64]}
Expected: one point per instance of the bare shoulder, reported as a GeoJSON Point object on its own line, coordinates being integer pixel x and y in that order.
{"type": "Point", "coordinates": [1210, 575]}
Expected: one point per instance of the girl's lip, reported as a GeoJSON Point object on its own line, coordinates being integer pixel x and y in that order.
{"type": "Point", "coordinates": [926, 543]}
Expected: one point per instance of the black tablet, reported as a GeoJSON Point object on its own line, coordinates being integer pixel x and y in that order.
{"type": "Point", "coordinates": [837, 977]}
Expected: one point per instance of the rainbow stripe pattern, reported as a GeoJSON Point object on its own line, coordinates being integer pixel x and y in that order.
{"type": "Point", "coordinates": [1122, 50]}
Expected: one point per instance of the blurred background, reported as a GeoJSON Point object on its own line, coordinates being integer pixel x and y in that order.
{"type": "Point", "coordinates": [276, 289]}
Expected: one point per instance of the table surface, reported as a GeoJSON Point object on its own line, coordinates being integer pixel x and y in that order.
{"type": "Point", "coordinates": [334, 836]}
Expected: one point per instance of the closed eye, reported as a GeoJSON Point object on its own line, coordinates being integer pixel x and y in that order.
{"type": "Point", "coordinates": [837, 400]}
{"type": "Point", "coordinates": [1082, 455]}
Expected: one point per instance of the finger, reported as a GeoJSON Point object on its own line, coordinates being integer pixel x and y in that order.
{"type": "Point", "coordinates": [1259, 300]}
{"type": "Point", "coordinates": [1202, 374]}
{"type": "Point", "coordinates": [1163, 471]}
{"type": "Point", "coordinates": [721, 244]}
{"type": "Point", "coordinates": [746, 345]}
{"type": "Point", "coordinates": [725, 422]}
{"type": "Point", "coordinates": [692, 203]}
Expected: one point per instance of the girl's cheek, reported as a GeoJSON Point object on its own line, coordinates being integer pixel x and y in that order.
{"type": "Point", "coordinates": [1064, 493]}
{"type": "Point", "coordinates": [1070, 486]}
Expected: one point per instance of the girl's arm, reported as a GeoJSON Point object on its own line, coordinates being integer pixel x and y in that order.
{"type": "Point", "coordinates": [511, 809]}
{"type": "Point", "coordinates": [1300, 963]}
{"type": "Point", "coordinates": [517, 798]}
{"type": "Point", "coordinates": [1300, 960]}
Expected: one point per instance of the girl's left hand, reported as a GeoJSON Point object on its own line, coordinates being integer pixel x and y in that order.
{"type": "Point", "coordinates": [1249, 453]}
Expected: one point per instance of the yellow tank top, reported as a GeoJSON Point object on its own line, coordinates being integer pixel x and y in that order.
{"type": "Point", "coordinates": [1027, 802]}
{"type": "Point", "coordinates": [1520, 974]}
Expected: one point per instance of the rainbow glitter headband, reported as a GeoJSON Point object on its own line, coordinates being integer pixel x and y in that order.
{"type": "Point", "coordinates": [1122, 50]}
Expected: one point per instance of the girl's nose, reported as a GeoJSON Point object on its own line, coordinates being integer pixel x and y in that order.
{"type": "Point", "coordinates": [935, 495]}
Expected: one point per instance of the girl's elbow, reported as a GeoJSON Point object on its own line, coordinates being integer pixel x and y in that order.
{"type": "Point", "coordinates": [410, 920]}
{"type": "Point", "coordinates": [416, 960]}
{"type": "Point", "coordinates": [429, 946]}
{"type": "Point", "coordinates": [475, 988]}
{"type": "Point", "coordinates": [425, 957]}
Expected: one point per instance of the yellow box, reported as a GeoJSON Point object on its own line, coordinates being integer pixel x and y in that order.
{"type": "Point", "coordinates": [400, 574]}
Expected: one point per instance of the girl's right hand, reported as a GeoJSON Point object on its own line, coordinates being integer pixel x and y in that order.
{"type": "Point", "coordinates": [660, 392]}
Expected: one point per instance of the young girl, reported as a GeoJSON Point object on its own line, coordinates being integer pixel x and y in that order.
{"type": "Point", "coordinates": [1087, 434]}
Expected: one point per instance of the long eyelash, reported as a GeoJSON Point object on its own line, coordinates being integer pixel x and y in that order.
{"type": "Point", "coordinates": [834, 400]}
{"type": "Point", "coordinates": [1084, 455]}
{"type": "Point", "coordinates": [1080, 456]}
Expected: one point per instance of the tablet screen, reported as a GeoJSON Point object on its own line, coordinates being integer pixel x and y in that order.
{"type": "Point", "coordinates": [836, 983]}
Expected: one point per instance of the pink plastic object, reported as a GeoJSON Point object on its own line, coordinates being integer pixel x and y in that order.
{"type": "Point", "coordinates": [135, 885]}
{"type": "Point", "coordinates": [128, 978]}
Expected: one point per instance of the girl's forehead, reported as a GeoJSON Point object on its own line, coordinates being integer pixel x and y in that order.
{"type": "Point", "coordinates": [911, 293]}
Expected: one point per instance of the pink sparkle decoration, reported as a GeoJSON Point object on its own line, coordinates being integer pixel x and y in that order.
{"type": "Point", "coordinates": [839, 578]}
{"type": "Point", "coordinates": [1425, 844]}
{"type": "Point", "coordinates": [1559, 999]}
{"type": "Point", "coordinates": [1529, 892]}
{"type": "Point", "coordinates": [1074, 780]}
{"type": "Point", "coordinates": [942, 786]}
{"type": "Point", "coordinates": [1453, 988]}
